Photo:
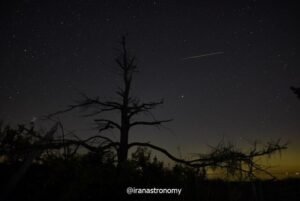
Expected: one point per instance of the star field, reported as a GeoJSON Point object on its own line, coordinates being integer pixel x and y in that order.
{"type": "Point", "coordinates": [51, 51]}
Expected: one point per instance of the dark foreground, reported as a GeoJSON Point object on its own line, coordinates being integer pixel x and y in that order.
{"type": "Point", "coordinates": [91, 181]}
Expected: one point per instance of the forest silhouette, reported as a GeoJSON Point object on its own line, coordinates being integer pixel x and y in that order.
{"type": "Point", "coordinates": [50, 165]}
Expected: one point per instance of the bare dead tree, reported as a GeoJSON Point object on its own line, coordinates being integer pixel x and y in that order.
{"type": "Point", "coordinates": [128, 106]}
{"type": "Point", "coordinates": [224, 156]}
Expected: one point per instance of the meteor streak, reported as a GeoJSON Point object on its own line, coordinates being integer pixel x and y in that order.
{"type": "Point", "coordinates": [203, 55]}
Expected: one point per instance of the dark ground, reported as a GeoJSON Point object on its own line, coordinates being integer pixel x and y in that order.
{"type": "Point", "coordinates": [87, 181]}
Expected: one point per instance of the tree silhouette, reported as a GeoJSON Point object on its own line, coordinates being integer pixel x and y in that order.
{"type": "Point", "coordinates": [128, 106]}
{"type": "Point", "coordinates": [225, 156]}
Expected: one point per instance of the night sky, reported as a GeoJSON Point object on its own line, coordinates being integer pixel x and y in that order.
{"type": "Point", "coordinates": [51, 51]}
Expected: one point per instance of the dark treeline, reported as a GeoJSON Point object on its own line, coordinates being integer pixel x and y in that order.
{"type": "Point", "coordinates": [59, 175]}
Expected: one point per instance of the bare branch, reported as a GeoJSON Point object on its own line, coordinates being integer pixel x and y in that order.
{"type": "Point", "coordinates": [143, 107]}
{"type": "Point", "coordinates": [226, 157]}
{"type": "Point", "coordinates": [88, 102]}
{"type": "Point", "coordinates": [107, 124]}
{"type": "Point", "coordinates": [160, 150]}
{"type": "Point", "coordinates": [99, 136]}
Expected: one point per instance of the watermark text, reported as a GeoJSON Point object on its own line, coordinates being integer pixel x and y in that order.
{"type": "Point", "coordinates": [168, 191]}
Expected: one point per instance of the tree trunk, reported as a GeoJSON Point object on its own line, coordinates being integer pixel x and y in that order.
{"type": "Point", "coordinates": [123, 149]}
